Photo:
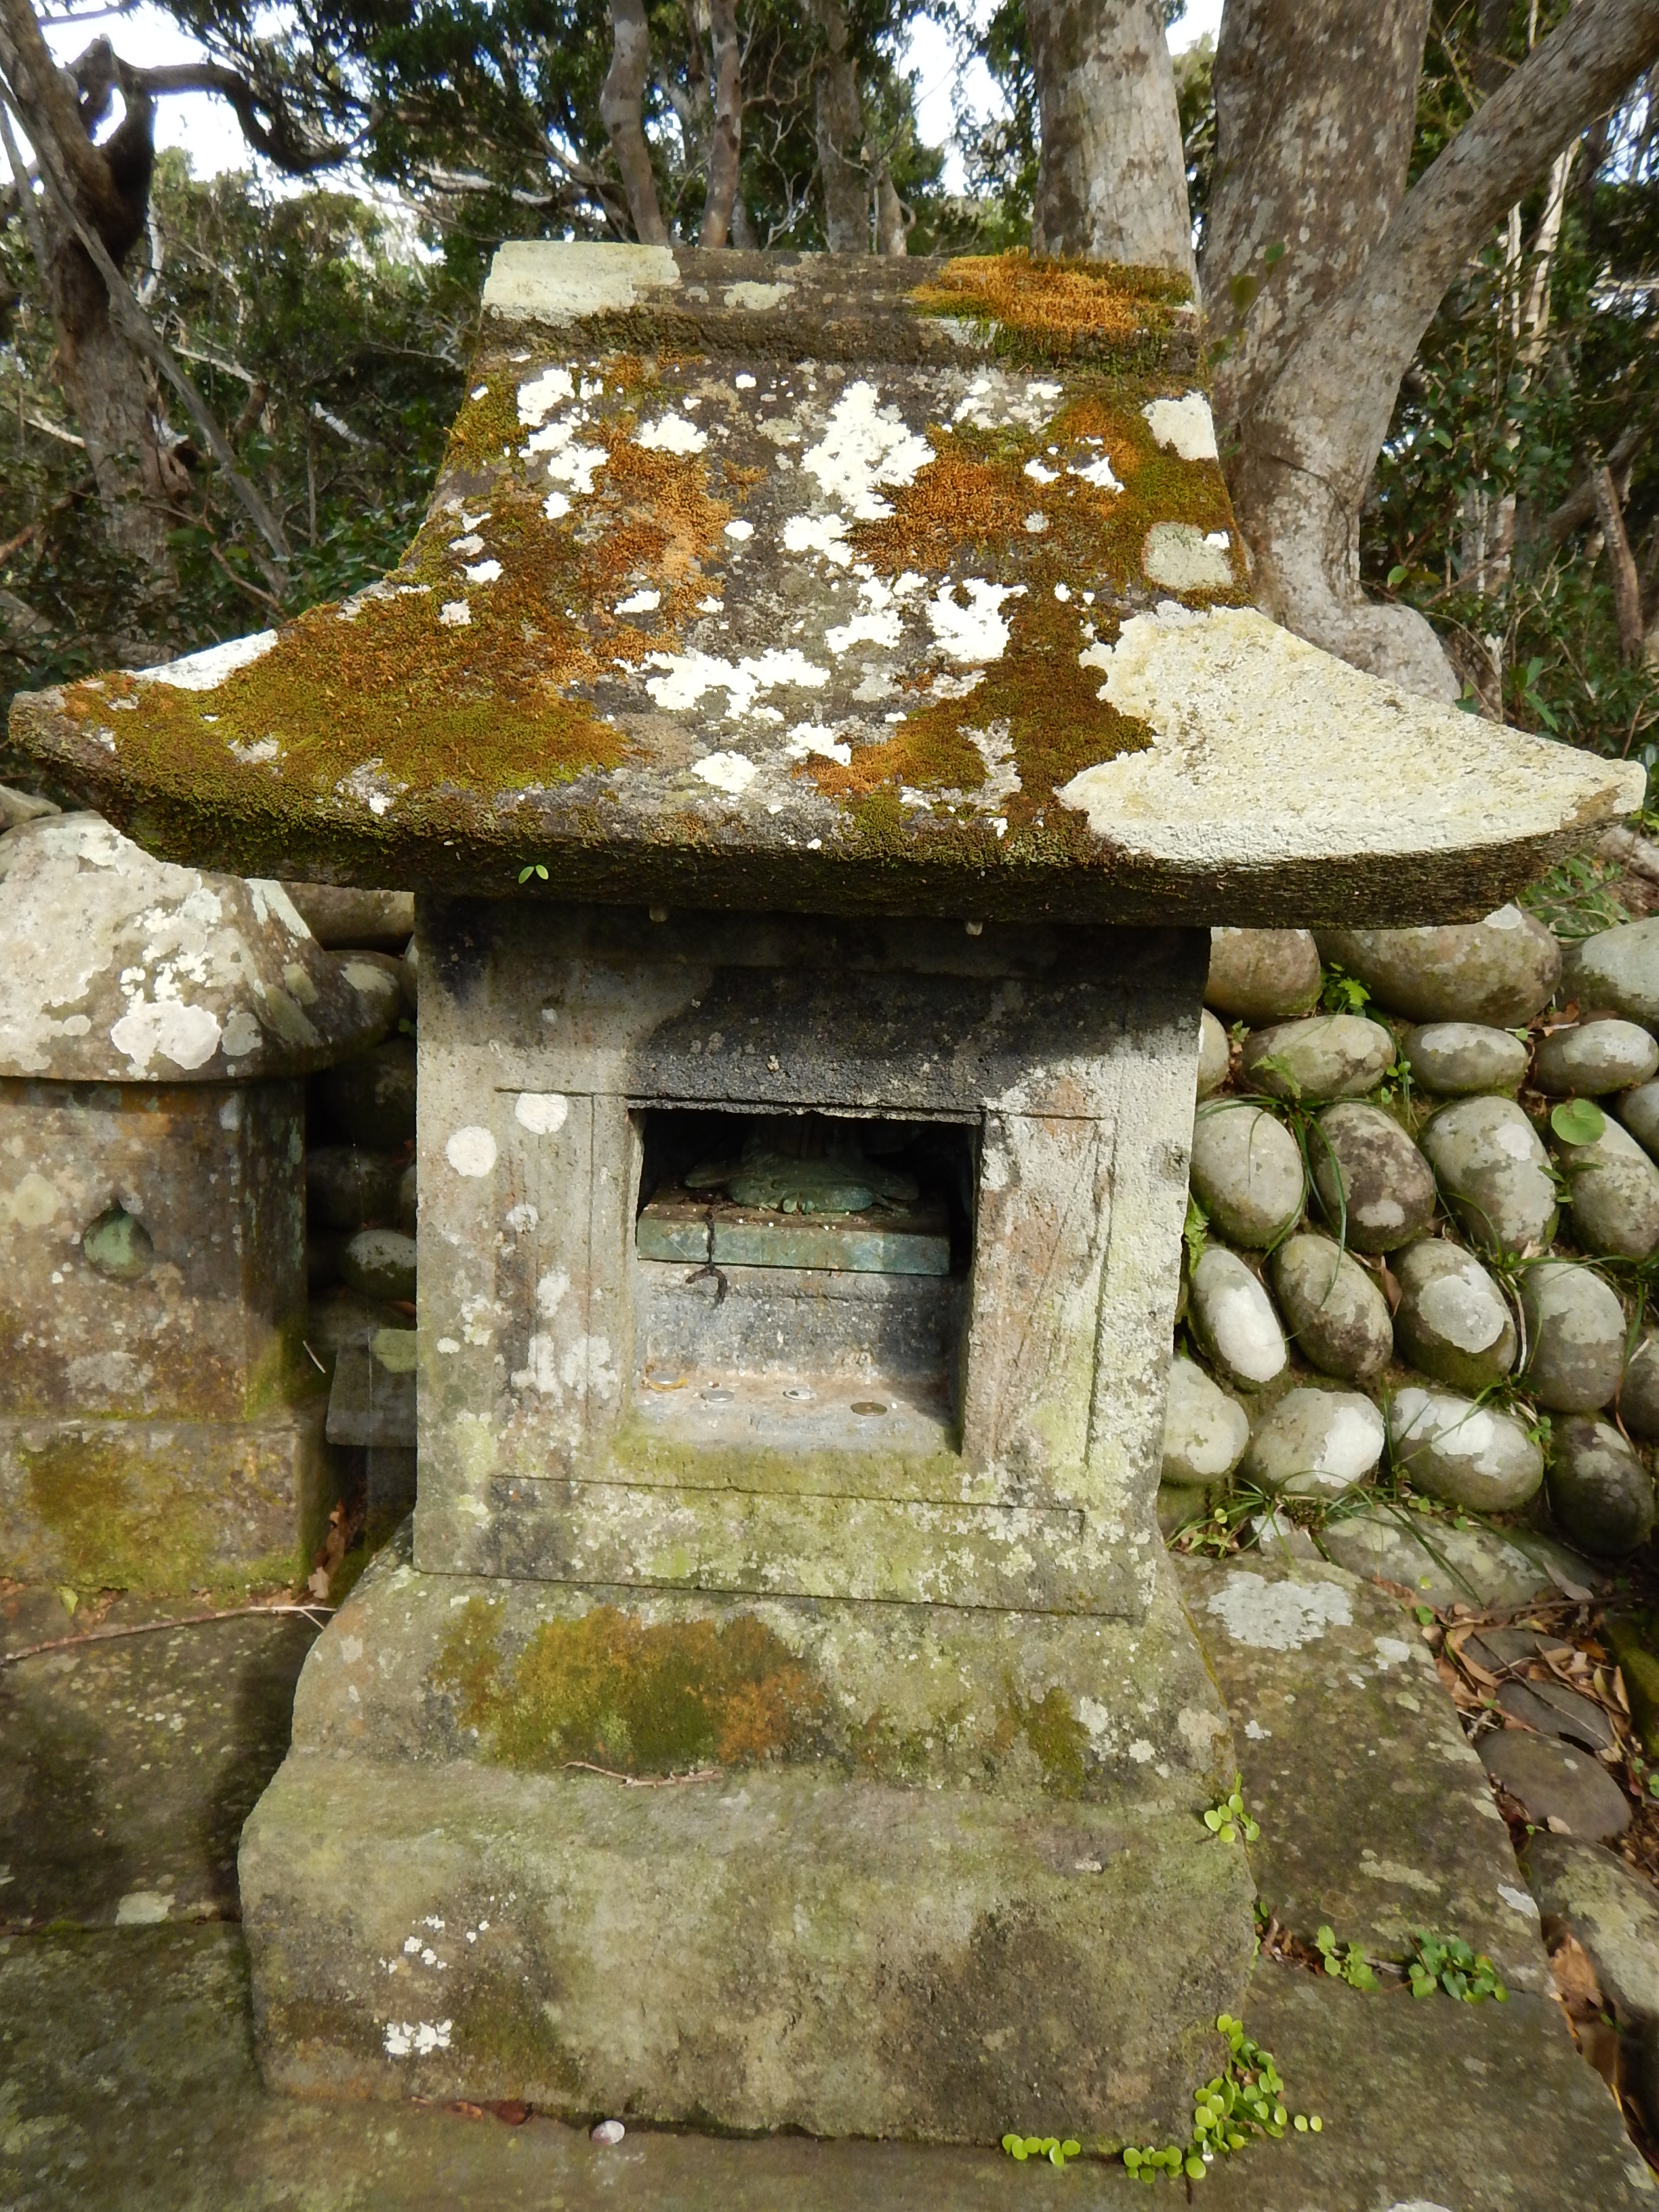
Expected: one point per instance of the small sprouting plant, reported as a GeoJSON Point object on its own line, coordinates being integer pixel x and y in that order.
{"type": "Point", "coordinates": [1446, 1962]}
{"type": "Point", "coordinates": [1350, 1965]}
{"type": "Point", "coordinates": [536, 868]}
{"type": "Point", "coordinates": [1048, 2147]}
{"type": "Point", "coordinates": [1343, 994]}
{"type": "Point", "coordinates": [1228, 1818]}
{"type": "Point", "coordinates": [1578, 1121]}
{"type": "Point", "coordinates": [1196, 1232]}
{"type": "Point", "coordinates": [1245, 2100]}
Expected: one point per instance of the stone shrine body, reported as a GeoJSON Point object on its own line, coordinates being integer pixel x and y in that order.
{"type": "Point", "coordinates": [819, 713]}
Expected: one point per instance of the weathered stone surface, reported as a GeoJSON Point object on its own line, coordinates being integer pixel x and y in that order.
{"type": "Point", "coordinates": [1555, 1783]}
{"type": "Point", "coordinates": [1338, 1318]}
{"type": "Point", "coordinates": [1326, 1056]}
{"type": "Point", "coordinates": [1234, 1319]}
{"type": "Point", "coordinates": [131, 1763]}
{"type": "Point", "coordinates": [1219, 749]}
{"type": "Point", "coordinates": [1453, 1322]}
{"type": "Point", "coordinates": [409, 1192]}
{"type": "Point", "coordinates": [1247, 1171]}
{"type": "Point", "coordinates": [344, 1318]}
{"type": "Point", "coordinates": [1461, 1058]}
{"type": "Point", "coordinates": [1214, 1055]}
{"type": "Point", "coordinates": [123, 969]}
{"type": "Point", "coordinates": [1612, 1194]}
{"type": "Point", "coordinates": [370, 1101]}
{"type": "Point", "coordinates": [1617, 968]}
{"type": "Point", "coordinates": [1448, 1566]}
{"type": "Point", "coordinates": [372, 1399]}
{"type": "Point", "coordinates": [380, 1264]}
{"type": "Point", "coordinates": [1500, 970]}
{"type": "Point", "coordinates": [1639, 1392]}
{"type": "Point", "coordinates": [347, 1188]}
{"type": "Point", "coordinates": [336, 916]}
{"type": "Point", "coordinates": [1204, 1430]}
{"type": "Point", "coordinates": [1595, 1058]}
{"type": "Point", "coordinates": [17, 806]}
{"type": "Point", "coordinates": [1316, 1443]}
{"type": "Point", "coordinates": [1262, 974]}
{"type": "Point", "coordinates": [1467, 1454]}
{"type": "Point", "coordinates": [1493, 1172]}
{"type": "Point", "coordinates": [163, 1505]}
{"type": "Point", "coordinates": [1601, 1494]}
{"type": "Point", "coordinates": [1584, 1891]}
{"type": "Point", "coordinates": [422, 1787]}
{"type": "Point", "coordinates": [1375, 1814]}
{"type": "Point", "coordinates": [1373, 1184]}
{"type": "Point", "coordinates": [1575, 1337]}
{"type": "Point", "coordinates": [130, 2063]}
{"type": "Point", "coordinates": [1638, 1110]}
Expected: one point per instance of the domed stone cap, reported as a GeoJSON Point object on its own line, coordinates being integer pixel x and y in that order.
{"type": "Point", "coordinates": [833, 584]}
{"type": "Point", "coordinates": [123, 969]}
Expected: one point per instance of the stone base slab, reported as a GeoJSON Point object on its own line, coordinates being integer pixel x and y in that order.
{"type": "Point", "coordinates": [764, 1951]}
{"type": "Point", "coordinates": [162, 1506]}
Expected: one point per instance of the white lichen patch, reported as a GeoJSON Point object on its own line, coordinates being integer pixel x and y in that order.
{"type": "Point", "coordinates": [728, 772]}
{"type": "Point", "coordinates": [808, 738]}
{"type": "Point", "coordinates": [186, 1036]}
{"type": "Point", "coordinates": [553, 283]}
{"type": "Point", "coordinates": [455, 614]}
{"type": "Point", "coordinates": [823, 534]}
{"type": "Point", "coordinates": [540, 395]}
{"type": "Point", "coordinates": [1183, 426]}
{"type": "Point", "coordinates": [567, 461]}
{"type": "Point", "coordinates": [645, 601]}
{"type": "Point", "coordinates": [996, 401]}
{"type": "Point", "coordinates": [544, 1113]}
{"type": "Point", "coordinates": [471, 1151]}
{"type": "Point", "coordinates": [1277, 1616]}
{"type": "Point", "coordinates": [689, 675]}
{"type": "Point", "coordinates": [865, 447]}
{"type": "Point", "coordinates": [207, 670]}
{"type": "Point", "coordinates": [1179, 556]}
{"type": "Point", "coordinates": [404, 2038]}
{"type": "Point", "coordinates": [483, 572]}
{"type": "Point", "coordinates": [673, 434]}
{"type": "Point", "coordinates": [757, 298]}
{"type": "Point", "coordinates": [978, 630]}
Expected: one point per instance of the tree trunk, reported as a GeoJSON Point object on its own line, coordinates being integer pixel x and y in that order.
{"type": "Point", "coordinates": [1309, 441]}
{"type": "Point", "coordinates": [838, 126]}
{"type": "Point", "coordinates": [621, 108]}
{"type": "Point", "coordinates": [725, 141]}
{"type": "Point", "coordinates": [1315, 103]}
{"type": "Point", "coordinates": [892, 231]}
{"type": "Point", "coordinates": [105, 386]}
{"type": "Point", "coordinates": [1626, 584]}
{"type": "Point", "coordinates": [1111, 174]}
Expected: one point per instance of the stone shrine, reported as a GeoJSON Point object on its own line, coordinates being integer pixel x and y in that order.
{"type": "Point", "coordinates": [816, 715]}
{"type": "Point", "coordinates": [160, 1426]}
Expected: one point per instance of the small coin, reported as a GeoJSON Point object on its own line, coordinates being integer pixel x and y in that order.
{"type": "Point", "coordinates": [868, 1406]}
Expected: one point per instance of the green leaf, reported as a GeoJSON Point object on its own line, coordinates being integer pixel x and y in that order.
{"type": "Point", "coordinates": [1196, 2168]}
{"type": "Point", "coordinates": [1578, 1121]}
{"type": "Point", "coordinates": [1398, 574]}
{"type": "Point", "coordinates": [1072, 2148]}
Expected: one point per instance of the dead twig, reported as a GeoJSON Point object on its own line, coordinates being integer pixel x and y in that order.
{"type": "Point", "coordinates": [645, 1781]}
{"type": "Point", "coordinates": [153, 1627]}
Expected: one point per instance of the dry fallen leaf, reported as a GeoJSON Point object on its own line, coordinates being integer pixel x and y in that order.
{"type": "Point", "coordinates": [1575, 1976]}
{"type": "Point", "coordinates": [1557, 1826]}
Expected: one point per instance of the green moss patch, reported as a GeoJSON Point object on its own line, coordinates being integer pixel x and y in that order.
{"type": "Point", "coordinates": [1060, 310]}
{"type": "Point", "coordinates": [611, 1690]}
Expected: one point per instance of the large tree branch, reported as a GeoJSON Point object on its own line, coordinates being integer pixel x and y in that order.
{"type": "Point", "coordinates": [48, 108]}
{"type": "Point", "coordinates": [1579, 505]}
{"type": "Point", "coordinates": [266, 123]}
{"type": "Point", "coordinates": [1626, 587]}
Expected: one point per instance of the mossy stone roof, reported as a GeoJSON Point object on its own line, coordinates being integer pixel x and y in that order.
{"type": "Point", "coordinates": [834, 584]}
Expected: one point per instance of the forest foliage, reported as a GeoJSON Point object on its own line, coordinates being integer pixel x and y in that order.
{"type": "Point", "coordinates": [329, 331]}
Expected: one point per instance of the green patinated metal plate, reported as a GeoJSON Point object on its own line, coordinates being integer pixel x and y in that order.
{"type": "Point", "coordinates": [898, 1241]}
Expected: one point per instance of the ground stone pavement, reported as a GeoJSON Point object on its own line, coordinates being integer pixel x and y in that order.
{"type": "Point", "coordinates": [126, 2067]}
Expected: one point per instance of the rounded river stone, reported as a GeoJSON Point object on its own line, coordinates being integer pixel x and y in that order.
{"type": "Point", "coordinates": [1457, 1059]}
{"type": "Point", "coordinates": [380, 1263]}
{"type": "Point", "coordinates": [1337, 1315]}
{"type": "Point", "coordinates": [1575, 1337]}
{"type": "Point", "coordinates": [1453, 1322]}
{"type": "Point", "coordinates": [1493, 1172]}
{"type": "Point", "coordinates": [1326, 1056]}
{"type": "Point", "coordinates": [1235, 1321]}
{"type": "Point", "coordinates": [347, 1188]}
{"type": "Point", "coordinates": [1595, 1058]}
{"type": "Point", "coordinates": [1638, 1110]}
{"type": "Point", "coordinates": [1247, 1171]}
{"type": "Point", "coordinates": [1204, 1430]}
{"type": "Point", "coordinates": [1613, 1190]}
{"type": "Point", "coordinates": [1601, 1494]}
{"type": "Point", "coordinates": [1639, 1393]}
{"type": "Point", "coordinates": [1374, 1187]}
{"type": "Point", "coordinates": [1316, 1443]}
{"type": "Point", "coordinates": [1617, 968]}
{"type": "Point", "coordinates": [345, 1318]}
{"type": "Point", "coordinates": [370, 1100]}
{"type": "Point", "coordinates": [1465, 1454]}
{"type": "Point", "coordinates": [1556, 1783]}
{"type": "Point", "coordinates": [1214, 1055]}
{"type": "Point", "coordinates": [1262, 974]}
{"type": "Point", "coordinates": [1500, 970]}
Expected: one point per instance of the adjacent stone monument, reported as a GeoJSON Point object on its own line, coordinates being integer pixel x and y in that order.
{"type": "Point", "coordinates": [161, 1427]}
{"type": "Point", "coordinates": [819, 690]}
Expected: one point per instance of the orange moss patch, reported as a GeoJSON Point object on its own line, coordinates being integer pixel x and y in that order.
{"type": "Point", "coordinates": [642, 1699]}
{"type": "Point", "coordinates": [485, 705]}
{"type": "Point", "coordinates": [1060, 309]}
